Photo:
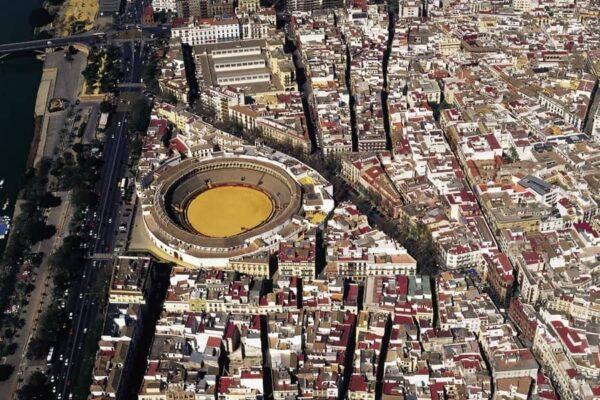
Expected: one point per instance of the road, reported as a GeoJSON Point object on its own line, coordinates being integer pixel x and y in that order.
{"type": "Point", "coordinates": [89, 39]}
{"type": "Point", "coordinates": [115, 154]}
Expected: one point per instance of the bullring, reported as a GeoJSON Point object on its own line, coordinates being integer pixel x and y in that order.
{"type": "Point", "coordinates": [191, 222]}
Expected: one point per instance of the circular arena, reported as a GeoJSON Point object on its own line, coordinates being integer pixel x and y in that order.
{"type": "Point", "coordinates": [228, 210]}
{"type": "Point", "coordinates": [208, 210]}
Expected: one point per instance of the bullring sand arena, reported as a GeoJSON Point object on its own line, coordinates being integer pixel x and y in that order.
{"type": "Point", "coordinates": [228, 210]}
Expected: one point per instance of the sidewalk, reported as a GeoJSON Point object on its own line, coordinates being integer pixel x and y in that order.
{"type": "Point", "coordinates": [60, 217]}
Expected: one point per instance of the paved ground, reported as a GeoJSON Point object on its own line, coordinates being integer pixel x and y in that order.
{"type": "Point", "coordinates": [67, 86]}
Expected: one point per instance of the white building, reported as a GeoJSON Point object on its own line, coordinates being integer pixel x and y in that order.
{"type": "Point", "coordinates": [524, 5]}
{"type": "Point", "coordinates": [208, 31]}
{"type": "Point", "coordinates": [164, 5]}
{"type": "Point", "coordinates": [596, 126]}
{"type": "Point", "coordinates": [409, 9]}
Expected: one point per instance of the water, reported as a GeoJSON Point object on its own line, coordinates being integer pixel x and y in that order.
{"type": "Point", "coordinates": [19, 80]}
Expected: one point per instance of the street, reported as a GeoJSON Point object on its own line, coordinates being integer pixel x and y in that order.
{"type": "Point", "coordinates": [115, 154]}
{"type": "Point", "coordinates": [86, 311]}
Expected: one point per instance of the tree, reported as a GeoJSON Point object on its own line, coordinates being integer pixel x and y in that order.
{"type": "Point", "coordinates": [78, 148]}
{"type": "Point", "coordinates": [160, 17]}
{"type": "Point", "coordinates": [113, 52]}
{"type": "Point", "coordinates": [49, 200]}
{"type": "Point", "coordinates": [41, 35]}
{"type": "Point", "coordinates": [36, 231]}
{"type": "Point", "coordinates": [71, 51]}
{"type": "Point", "coordinates": [37, 388]}
{"type": "Point", "coordinates": [105, 107]}
{"type": "Point", "coordinates": [140, 115]}
{"type": "Point", "coordinates": [37, 349]}
{"type": "Point", "coordinates": [106, 83]}
{"type": "Point", "coordinates": [6, 371]}
{"type": "Point", "coordinates": [50, 328]}
{"type": "Point", "coordinates": [68, 258]}
{"type": "Point", "coordinates": [83, 197]}
{"type": "Point", "coordinates": [40, 17]}
{"type": "Point", "coordinates": [513, 155]}
{"type": "Point", "coordinates": [90, 73]}
{"type": "Point", "coordinates": [56, 2]}
{"type": "Point", "coordinates": [169, 98]}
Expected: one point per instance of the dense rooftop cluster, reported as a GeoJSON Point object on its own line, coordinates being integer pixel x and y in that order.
{"type": "Point", "coordinates": [217, 326]}
{"type": "Point", "coordinates": [325, 57]}
{"type": "Point", "coordinates": [473, 126]}
{"type": "Point", "coordinates": [493, 150]}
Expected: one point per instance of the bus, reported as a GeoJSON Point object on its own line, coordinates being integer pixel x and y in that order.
{"type": "Point", "coordinates": [50, 353]}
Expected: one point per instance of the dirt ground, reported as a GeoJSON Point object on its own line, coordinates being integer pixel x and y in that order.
{"type": "Point", "coordinates": [73, 11]}
{"type": "Point", "coordinates": [228, 210]}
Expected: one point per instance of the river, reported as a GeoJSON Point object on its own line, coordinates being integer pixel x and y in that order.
{"type": "Point", "coordinates": [19, 79]}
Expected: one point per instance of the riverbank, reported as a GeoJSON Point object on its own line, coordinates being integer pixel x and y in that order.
{"type": "Point", "coordinates": [54, 132]}
{"type": "Point", "coordinates": [45, 90]}
{"type": "Point", "coordinates": [36, 147]}
{"type": "Point", "coordinates": [37, 131]}
{"type": "Point", "coordinates": [19, 79]}
{"type": "Point", "coordinates": [38, 140]}
{"type": "Point", "coordinates": [60, 79]}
